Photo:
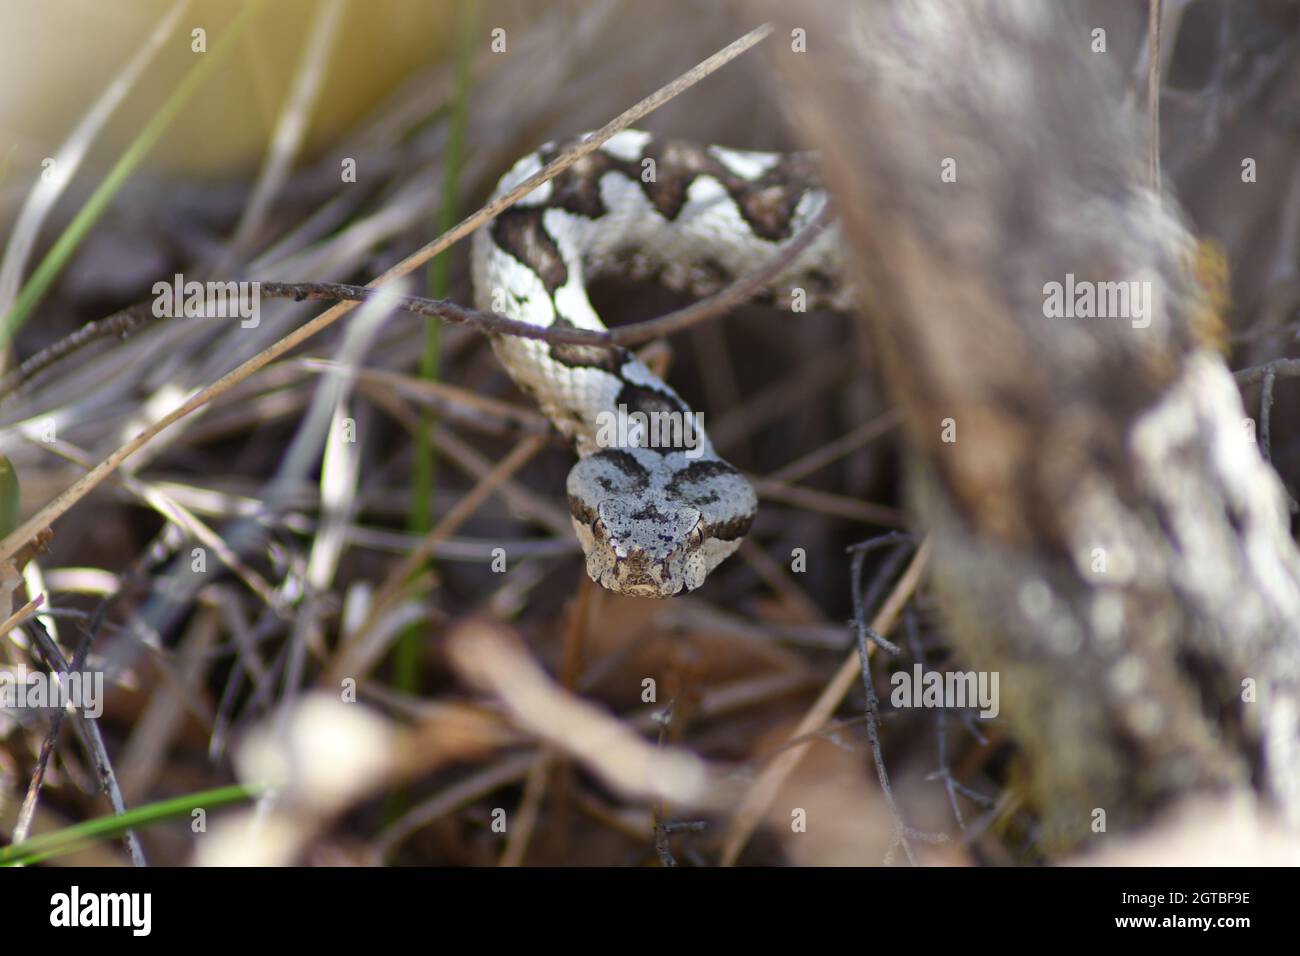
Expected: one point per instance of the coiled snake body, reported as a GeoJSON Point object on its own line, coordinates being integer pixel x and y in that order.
{"type": "Point", "coordinates": [654, 508]}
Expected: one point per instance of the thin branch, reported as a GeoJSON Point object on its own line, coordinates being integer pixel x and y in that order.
{"type": "Point", "coordinates": [94, 739]}
{"type": "Point", "coordinates": [637, 333]}
{"type": "Point", "coordinates": [1286, 367]}
{"type": "Point", "coordinates": [444, 309]}
{"type": "Point", "coordinates": [764, 790]}
{"type": "Point", "coordinates": [659, 815]}
{"type": "Point", "coordinates": [119, 324]}
{"type": "Point", "coordinates": [739, 292]}
{"type": "Point", "coordinates": [862, 631]}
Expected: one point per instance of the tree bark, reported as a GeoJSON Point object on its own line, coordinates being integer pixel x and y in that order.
{"type": "Point", "coordinates": [1107, 535]}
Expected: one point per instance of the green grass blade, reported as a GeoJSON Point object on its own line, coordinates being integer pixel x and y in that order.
{"type": "Point", "coordinates": [9, 494]}
{"type": "Point", "coordinates": [80, 835]}
{"type": "Point", "coordinates": [406, 656]}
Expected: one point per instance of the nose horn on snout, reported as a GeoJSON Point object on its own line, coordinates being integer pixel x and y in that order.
{"type": "Point", "coordinates": [637, 566]}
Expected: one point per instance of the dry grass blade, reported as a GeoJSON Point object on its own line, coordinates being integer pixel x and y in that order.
{"type": "Point", "coordinates": [21, 615]}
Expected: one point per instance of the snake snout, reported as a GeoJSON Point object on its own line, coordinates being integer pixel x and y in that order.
{"type": "Point", "coordinates": [641, 574]}
{"type": "Point", "coordinates": [635, 564]}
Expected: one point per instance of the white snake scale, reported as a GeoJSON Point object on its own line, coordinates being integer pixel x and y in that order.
{"type": "Point", "coordinates": [655, 510]}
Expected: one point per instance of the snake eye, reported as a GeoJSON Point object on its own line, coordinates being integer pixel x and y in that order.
{"type": "Point", "coordinates": [696, 537]}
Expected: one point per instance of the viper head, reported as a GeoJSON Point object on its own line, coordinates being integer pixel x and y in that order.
{"type": "Point", "coordinates": [646, 547]}
{"type": "Point", "coordinates": [655, 525]}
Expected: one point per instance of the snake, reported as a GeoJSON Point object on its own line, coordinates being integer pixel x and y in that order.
{"type": "Point", "coordinates": [654, 506]}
